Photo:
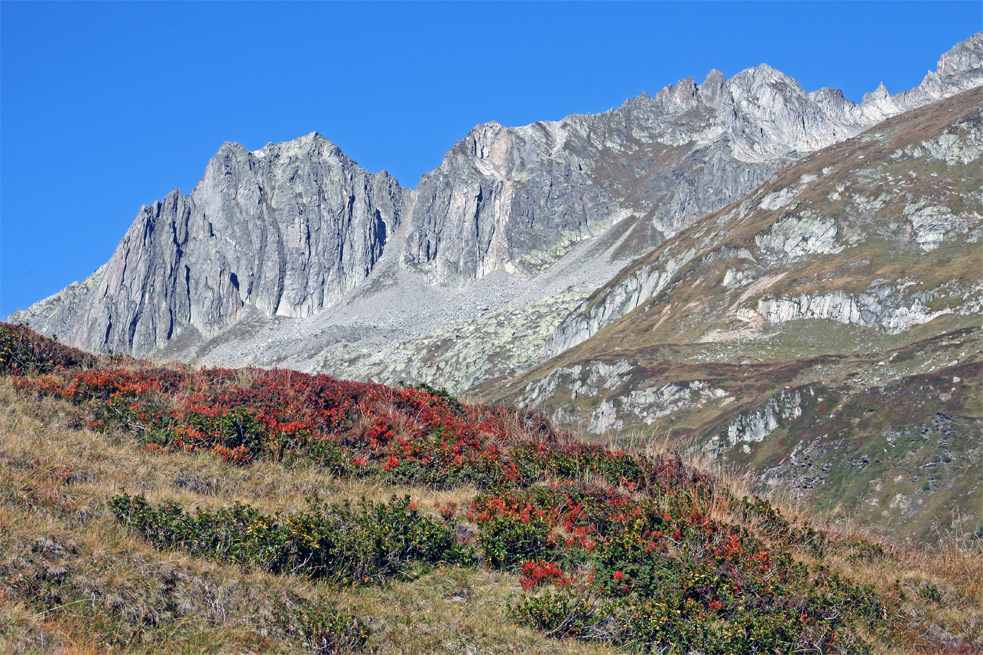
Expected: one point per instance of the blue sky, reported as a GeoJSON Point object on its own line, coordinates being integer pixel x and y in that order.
{"type": "Point", "coordinates": [108, 106]}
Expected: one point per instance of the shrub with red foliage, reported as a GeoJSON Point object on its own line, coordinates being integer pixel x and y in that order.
{"type": "Point", "coordinates": [629, 534]}
{"type": "Point", "coordinates": [539, 572]}
{"type": "Point", "coordinates": [352, 428]}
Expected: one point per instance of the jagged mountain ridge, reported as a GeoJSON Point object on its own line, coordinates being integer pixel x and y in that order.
{"type": "Point", "coordinates": [559, 182]}
{"type": "Point", "coordinates": [241, 270]}
{"type": "Point", "coordinates": [824, 332]}
{"type": "Point", "coordinates": [662, 181]}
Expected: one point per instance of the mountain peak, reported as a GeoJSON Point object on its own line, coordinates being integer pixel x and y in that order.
{"type": "Point", "coordinates": [307, 145]}
{"type": "Point", "coordinates": [878, 95]}
{"type": "Point", "coordinates": [681, 93]}
{"type": "Point", "coordinates": [763, 74]}
{"type": "Point", "coordinates": [231, 147]}
{"type": "Point", "coordinates": [963, 57]}
{"type": "Point", "coordinates": [713, 84]}
{"type": "Point", "coordinates": [714, 77]}
{"type": "Point", "coordinates": [313, 138]}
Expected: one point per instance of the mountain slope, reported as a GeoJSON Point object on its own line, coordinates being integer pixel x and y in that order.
{"type": "Point", "coordinates": [294, 255]}
{"type": "Point", "coordinates": [172, 509]}
{"type": "Point", "coordinates": [826, 319]}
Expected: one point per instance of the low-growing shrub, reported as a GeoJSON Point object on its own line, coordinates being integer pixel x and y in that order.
{"type": "Point", "coordinates": [506, 542]}
{"type": "Point", "coordinates": [665, 577]}
{"type": "Point", "coordinates": [350, 544]}
{"type": "Point", "coordinates": [559, 614]}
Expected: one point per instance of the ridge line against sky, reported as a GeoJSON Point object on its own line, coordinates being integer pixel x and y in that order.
{"type": "Point", "coordinates": [106, 107]}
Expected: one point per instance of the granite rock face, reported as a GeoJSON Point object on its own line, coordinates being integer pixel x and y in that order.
{"type": "Point", "coordinates": [287, 229]}
{"type": "Point", "coordinates": [504, 198]}
{"type": "Point", "coordinates": [903, 210]}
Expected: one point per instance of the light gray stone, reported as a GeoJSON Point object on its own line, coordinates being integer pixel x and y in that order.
{"type": "Point", "coordinates": [282, 253]}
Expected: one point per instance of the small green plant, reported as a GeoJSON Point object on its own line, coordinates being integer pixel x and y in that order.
{"type": "Point", "coordinates": [240, 428]}
{"type": "Point", "coordinates": [324, 629]}
{"type": "Point", "coordinates": [443, 395]}
{"type": "Point", "coordinates": [506, 542]}
{"type": "Point", "coordinates": [559, 614]}
{"type": "Point", "coordinates": [931, 592]}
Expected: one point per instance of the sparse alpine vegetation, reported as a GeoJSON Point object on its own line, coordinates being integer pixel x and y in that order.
{"type": "Point", "coordinates": [824, 333]}
{"type": "Point", "coordinates": [147, 508]}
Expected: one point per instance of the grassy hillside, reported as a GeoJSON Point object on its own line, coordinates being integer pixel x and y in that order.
{"type": "Point", "coordinates": [164, 509]}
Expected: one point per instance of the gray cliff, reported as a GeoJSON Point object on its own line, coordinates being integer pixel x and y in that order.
{"type": "Point", "coordinates": [241, 270]}
{"type": "Point", "coordinates": [287, 229]}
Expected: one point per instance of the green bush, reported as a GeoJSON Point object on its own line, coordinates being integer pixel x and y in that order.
{"type": "Point", "coordinates": [507, 542]}
{"type": "Point", "coordinates": [324, 629]}
{"type": "Point", "coordinates": [240, 428]}
{"type": "Point", "coordinates": [559, 614]}
{"type": "Point", "coordinates": [342, 543]}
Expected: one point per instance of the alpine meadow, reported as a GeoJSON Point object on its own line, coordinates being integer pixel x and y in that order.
{"type": "Point", "coordinates": [699, 374]}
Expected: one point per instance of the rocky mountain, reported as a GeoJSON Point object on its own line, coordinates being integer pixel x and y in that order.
{"type": "Point", "coordinates": [286, 230]}
{"type": "Point", "coordinates": [571, 201]}
{"type": "Point", "coordinates": [824, 331]}
{"type": "Point", "coordinates": [517, 199]}
{"type": "Point", "coordinates": [295, 256]}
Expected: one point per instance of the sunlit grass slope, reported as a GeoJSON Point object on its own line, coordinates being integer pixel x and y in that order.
{"type": "Point", "coordinates": [163, 509]}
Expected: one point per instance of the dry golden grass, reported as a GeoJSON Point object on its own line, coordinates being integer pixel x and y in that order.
{"type": "Point", "coordinates": [72, 580]}
{"type": "Point", "coordinates": [939, 585]}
